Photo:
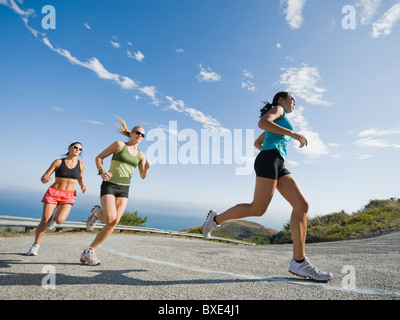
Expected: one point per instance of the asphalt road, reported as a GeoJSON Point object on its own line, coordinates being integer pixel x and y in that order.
{"type": "Point", "coordinates": [137, 267]}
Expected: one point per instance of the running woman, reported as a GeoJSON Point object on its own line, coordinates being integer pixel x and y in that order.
{"type": "Point", "coordinates": [115, 186]}
{"type": "Point", "coordinates": [61, 195]}
{"type": "Point", "coordinates": [272, 174]}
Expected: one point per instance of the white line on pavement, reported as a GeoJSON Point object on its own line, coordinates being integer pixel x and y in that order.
{"type": "Point", "coordinates": [254, 278]}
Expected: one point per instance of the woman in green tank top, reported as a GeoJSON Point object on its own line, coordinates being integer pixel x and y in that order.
{"type": "Point", "coordinates": [115, 186]}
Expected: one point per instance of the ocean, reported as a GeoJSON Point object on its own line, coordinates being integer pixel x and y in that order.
{"type": "Point", "coordinates": [160, 215]}
{"type": "Point", "coordinates": [32, 208]}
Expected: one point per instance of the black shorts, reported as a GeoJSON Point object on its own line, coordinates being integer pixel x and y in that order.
{"type": "Point", "coordinates": [115, 189]}
{"type": "Point", "coordinates": [270, 164]}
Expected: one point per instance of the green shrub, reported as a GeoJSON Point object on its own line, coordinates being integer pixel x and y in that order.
{"type": "Point", "coordinates": [132, 219]}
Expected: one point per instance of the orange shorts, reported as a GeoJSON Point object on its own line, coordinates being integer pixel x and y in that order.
{"type": "Point", "coordinates": [58, 196]}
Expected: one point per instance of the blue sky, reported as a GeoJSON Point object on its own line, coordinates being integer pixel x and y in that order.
{"type": "Point", "coordinates": [204, 65]}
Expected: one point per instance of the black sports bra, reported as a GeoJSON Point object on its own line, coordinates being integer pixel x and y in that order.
{"type": "Point", "coordinates": [64, 172]}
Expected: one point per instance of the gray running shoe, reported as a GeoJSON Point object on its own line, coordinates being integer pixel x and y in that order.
{"type": "Point", "coordinates": [88, 257]}
{"type": "Point", "coordinates": [34, 250]}
{"type": "Point", "coordinates": [210, 224]}
{"type": "Point", "coordinates": [91, 221]}
{"type": "Point", "coordinates": [307, 270]}
{"type": "Point", "coordinates": [51, 225]}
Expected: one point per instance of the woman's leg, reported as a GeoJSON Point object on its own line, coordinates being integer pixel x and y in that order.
{"type": "Point", "coordinates": [112, 210]}
{"type": "Point", "coordinates": [62, 213]}
{"type": "Point", "coordinates": [264, 190]}
{"type": "Point", "coordinates": [290, 190]}
{"type": "Point", "coordinates": [48, 210]}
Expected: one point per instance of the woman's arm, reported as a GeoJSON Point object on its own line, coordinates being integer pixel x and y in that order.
{"type": "Point", "coordinates": [259, 141]}
{"type": "Point", "coordinates": [112, 149]}
{"type": "Point", "coordinates": [143, 165]}
{"type": "Point", "coordinates": [267, 123]}
{"type": "Point", "coordinates": [53, 167]}
{"type": "Point", "coordinates": [80, 179]}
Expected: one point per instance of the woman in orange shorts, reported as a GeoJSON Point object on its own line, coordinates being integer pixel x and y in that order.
{"type": "Point", "coordinates": [62, 193]}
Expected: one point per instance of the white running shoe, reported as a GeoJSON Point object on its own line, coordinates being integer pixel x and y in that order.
{"type": "Point", "coordinates": [210, 224]}
{"type": "Point", "coordinates": [307, 270]}
{"type": "Point", "coordinates": [34, 250]}
{"type": "Point", "coordinates": [91, 221]}
{"type": "Point", "coordinates": [51, 225]}
{"type": "Point", "coordinates": [88, 257]}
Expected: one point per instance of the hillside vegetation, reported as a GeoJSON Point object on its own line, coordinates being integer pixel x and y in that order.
{"type": "Point", "coordinates": [377, 217]}
{"type": "Point", "coordinates": [240, 230]}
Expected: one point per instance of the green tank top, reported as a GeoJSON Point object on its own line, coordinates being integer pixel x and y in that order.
{"type": "Point", "coordinates": [122, 166]}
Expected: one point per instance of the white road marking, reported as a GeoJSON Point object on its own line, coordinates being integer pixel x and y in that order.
{"type": "Point", "coordinates": [255, 278]}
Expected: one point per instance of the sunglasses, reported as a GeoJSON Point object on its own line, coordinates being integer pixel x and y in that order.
{"type": "Point", "coordinates": [77, 148]}
{"type": "Point", "coordinates": [139, 133]}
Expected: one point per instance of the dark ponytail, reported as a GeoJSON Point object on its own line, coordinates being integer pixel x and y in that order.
{"type": "Point", "coordinates": [268, 106]}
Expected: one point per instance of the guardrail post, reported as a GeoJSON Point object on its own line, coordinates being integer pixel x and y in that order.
{"type": "Point", "coordinates": [28, 229]}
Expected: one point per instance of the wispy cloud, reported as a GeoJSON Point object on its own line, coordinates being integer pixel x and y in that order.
{"type": "Point", "coordinates": [303, 82]}
{"type": "Point", "coordinates": [86, 25]}
{"type": "Point", "coordinates": [115, 44]}
{"type": "Point", "coordinates": [124, 82]}
{"type": "Point", "coordinates": [95, 65]}
{"type": "Point", "coordinates": [316, 147]}
{"type": "Point", "coordinates": [388, 138]}
{"type": "Point", "coordinates": [247, 82]}
{"type": "Point", "coordinates": [135, 56]}
{"type": "Point", "coordinates": [294, 12]}
{"type": "Point", "coordinates": [379, 133]}
{"type": "Point", "coordinates": [208, 121]}
{"type": "Point", "coordinates": [58, 109]}
{"type": "Point", "coordinates": [151, 92]}
{"type": "Point", "coordinates": [24, 14]}
{"type": "Point", "coordinates": [207, 75]}
{"type": "Point", "coordinates": [376, 143]}
{"type": "Point", "coordinates": [368, 9]}
{"type": "Point", "coordinates": [179, 51]}
{"type": "Point", "coordinates": [387, 22]}
{"type": "Point", "coordinates": [98, 123]}
{"type": "Point", "coordinates": [17, 9]}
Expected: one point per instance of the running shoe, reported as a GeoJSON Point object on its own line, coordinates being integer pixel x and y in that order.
{"type": "Point", "coordinates": [307, 270]}
{"type": "Point", "coordinates": [34, 250]}
{"type": "Point", "coordinates": [91, 221]}
{"type": "Point", "coordinates": [88, 257]}
{"type": "Point", "coordinates": [51, 225]}
{"type": "Point", "coordinates": [210, 224]}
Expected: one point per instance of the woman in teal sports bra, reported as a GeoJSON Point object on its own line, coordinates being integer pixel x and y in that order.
{"type": "Point", "coordinates": [115, 186]}
{"type": "Point", "coordinates": [271, 174]}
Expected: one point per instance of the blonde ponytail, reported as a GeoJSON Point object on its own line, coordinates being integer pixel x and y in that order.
{"type": "Point", "coordinates": [124, 128]}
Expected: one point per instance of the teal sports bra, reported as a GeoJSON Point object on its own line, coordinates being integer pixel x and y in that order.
{"type": "Point", "coordinates": [278, 141]}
